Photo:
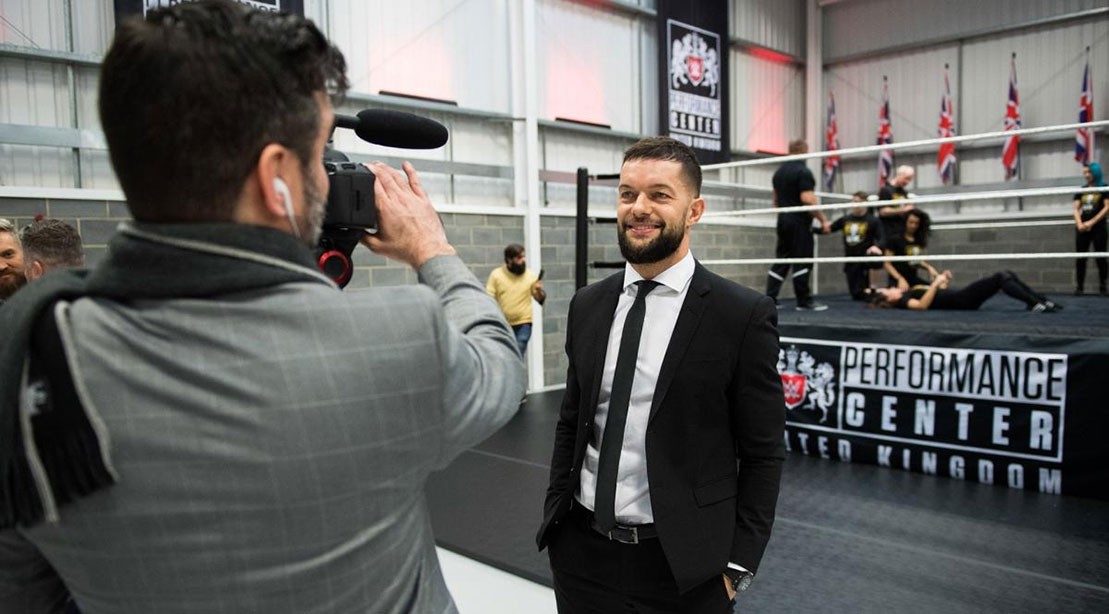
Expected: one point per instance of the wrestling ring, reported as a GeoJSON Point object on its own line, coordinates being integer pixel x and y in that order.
{"type": "Point", "coordinates": [1001, 395]}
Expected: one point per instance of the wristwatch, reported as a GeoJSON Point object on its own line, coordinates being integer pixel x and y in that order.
{"type": "Point", "coordinates": [740, 579]}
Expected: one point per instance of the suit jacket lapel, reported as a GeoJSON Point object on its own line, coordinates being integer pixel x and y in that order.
{"type": "Point", "coordinates": [690, 316]}
{"type": "Point", "coordinates": [600, 329]}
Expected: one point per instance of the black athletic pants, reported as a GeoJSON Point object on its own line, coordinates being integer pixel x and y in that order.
{"type": "Point", "coordinates": [794, 241]}
{"type": "Point", "coordinates": [1096, 237]}
{"type": "Point", "coordinates": [971, 297]}
{"type": "Point", "coordinates": [858, 278]}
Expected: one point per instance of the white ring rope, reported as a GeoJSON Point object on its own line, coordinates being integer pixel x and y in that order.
{"type": "Point", "coordinates": [972, 226]}
{"type": "Point", "coordinates": [915, 200]}
{"type": "Point", "coordinates": [932, 198]}
{"type": "Point", "coordinates": [905, 145]}
{"type": "Point", "coordinates": [918, 258]}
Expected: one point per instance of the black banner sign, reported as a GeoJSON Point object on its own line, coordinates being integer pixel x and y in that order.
{"type": "Point", "coordinates": [130, 8]}
{"type": "Point", "coordinates": [1009, 417]}
{"type": "Point", "coordinates": [693, 75]}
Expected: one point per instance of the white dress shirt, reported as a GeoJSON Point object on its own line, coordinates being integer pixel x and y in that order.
{"type": "Point", "coordinates": [633, 500]}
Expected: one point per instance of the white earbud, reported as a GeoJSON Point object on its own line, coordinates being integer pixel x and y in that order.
{"type": "Point", "coordinates": [282, 188]}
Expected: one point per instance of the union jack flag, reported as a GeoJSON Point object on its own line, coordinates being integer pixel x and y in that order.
{"type": "Point", "coordinates": [831, 143]}
{"type": "Point", "coordinates": [885, 137]}
{"type": "Point", "coordinates": [1010, 152]}
{"type": "Point", "coordinates": [945, 160]}
{"type": "Point", "coordinates": [1084, 140]}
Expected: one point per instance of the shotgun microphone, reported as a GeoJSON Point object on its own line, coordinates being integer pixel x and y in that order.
{"type": "Point", "coordinates": [395, 129]}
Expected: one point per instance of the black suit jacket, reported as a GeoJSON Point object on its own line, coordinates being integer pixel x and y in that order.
{"type": "Point", "coordinates": [715, 433]}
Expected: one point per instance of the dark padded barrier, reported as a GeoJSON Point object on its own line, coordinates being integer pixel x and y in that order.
{"type": "Point", "coordinates": [997, 396]}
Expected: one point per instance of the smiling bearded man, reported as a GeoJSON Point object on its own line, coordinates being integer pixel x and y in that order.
{"type": "Point", "coordinates": [672, 379]}
{"type": "Point", "coordinates": [11, 261]}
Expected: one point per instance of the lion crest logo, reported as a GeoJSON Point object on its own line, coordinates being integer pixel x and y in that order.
{"type": "Point", "coordinates": [805, 380]}
{"type": "Point", "coordinates": [694, 61]}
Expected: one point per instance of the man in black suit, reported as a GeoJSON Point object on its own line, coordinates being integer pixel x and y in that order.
{"type": "Point", "coordinates": [693, 414]}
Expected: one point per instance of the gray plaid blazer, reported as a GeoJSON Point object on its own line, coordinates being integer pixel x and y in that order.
{"type": "Point", "coordinates": [272, 448]}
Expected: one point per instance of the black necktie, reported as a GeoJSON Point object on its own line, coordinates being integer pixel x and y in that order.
{"type": "Point", "coordinates": [613, 439]}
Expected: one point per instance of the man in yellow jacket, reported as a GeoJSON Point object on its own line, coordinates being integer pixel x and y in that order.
{"type": "Point", "coordinates": [513, 286]}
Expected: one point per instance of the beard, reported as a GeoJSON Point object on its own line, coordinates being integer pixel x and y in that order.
{"type": "Point", "coordinates": [516, 269]}
{"type": "Point", "coordinates": [316, 203]}
{"type": "Point", "coordinates": [656, 250]}
{"type": "Point", "coordinates": [10, 282]}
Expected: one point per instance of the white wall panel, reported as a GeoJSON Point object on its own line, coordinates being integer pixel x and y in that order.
{"type": "Point", "coordinates": [566, 151]}
{"type": "Point", "coordinates": [33, 93]}
{"type": "Point", "coordinates": [777, 24]}
{"type": "Point", "coordinates": [1050, 60]}
{"type": "Point", "coordinates": [96, 170]}
{"type": "Point", "coordinates": [1049, 75]}
{"type": "Point", "coordinates": [48, 167]}
{"type": "Point", "coordinates": [915, 90]}
{"type": "Point", "coordinates": [768, 103]}
{"type": "Point", "coordinates": [444, 49]}
{"type": "Point", "coordinates": [589, 65]}
{"type": "Point", "coordinates": [33, 23]}
{"type": "Point", "coordinates": [87, 81]}
{"type": "Point", "coordinates": [856, 26]}
{"type": "Point", "coordinates": [93, 26]}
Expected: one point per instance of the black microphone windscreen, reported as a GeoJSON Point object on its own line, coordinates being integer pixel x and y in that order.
{"type": "Point", "coordinates": [346, 121]}
{"type": "Point", "coordinates": [398, 129]}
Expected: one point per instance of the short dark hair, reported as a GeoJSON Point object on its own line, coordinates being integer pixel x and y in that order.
{"type": "Point", "coordinates": [191, 95]}
{"type": "Point", "coordinates": [861, 195]}
{"type": "Point", "coordinates": [666, 148]}
{"type": "Point", "coordinates": [797, 146]}
{"type": "Point", "coordinates": [512, 250]}
{"type": "Point", "coordinates": [53, 242]}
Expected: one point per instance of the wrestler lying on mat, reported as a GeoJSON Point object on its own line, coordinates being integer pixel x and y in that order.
{"type": "Point", "coordinates": [937, 295]}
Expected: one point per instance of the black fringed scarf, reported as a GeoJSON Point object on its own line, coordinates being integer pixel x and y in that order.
{"type": "Point", "coordinates": [52, 450]}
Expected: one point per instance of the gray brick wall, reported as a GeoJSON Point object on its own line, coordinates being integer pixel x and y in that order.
{"type": "Point", "coordinates": [480, 240]}
{"type": "Point", "coordinates": [709, 242]}
{"type": "Point", "coordinates": [1053, 276]}
{"type": "Point", "coordinates": [95, 220]}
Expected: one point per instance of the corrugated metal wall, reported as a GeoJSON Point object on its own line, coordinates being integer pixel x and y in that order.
{"type": "Point", "coordinates": [435, 48]}
{"type": "Point", "coordinates": [596, 64]}
{"type": "Point", "coordinates": [33, 23]}
{"type": "Point", "coordinates": [589, 65]}
{"type": "Point", "coordinates": [768, 103]}
{"type": "Point", "coordinates": [915, 87]}
{"type": "Point", "coordinates": [1049, 57]}
{"type": "Point", "coordinates": [859, 26]}
{"type": "Point", "coordinates": [768, 92]}
{"type": "Point", "coordinates": [40, 93]}
{"type": "Point", "coordinates": [776, 24]}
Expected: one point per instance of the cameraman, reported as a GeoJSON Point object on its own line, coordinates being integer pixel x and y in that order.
{"type": "Point", "coordinates": [225, 430]}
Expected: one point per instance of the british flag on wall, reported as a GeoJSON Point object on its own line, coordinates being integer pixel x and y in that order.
{"type": "Point", "coordinates": [945, 158]}
{"type": "Point", "coordinates": [1010, 151]}
{"type": "Point", "coordinates": [831, 143]}
{"type": "Point", "coordinates": [885, 137]}
{"type": "Point", "coordinates": [1084, 139]}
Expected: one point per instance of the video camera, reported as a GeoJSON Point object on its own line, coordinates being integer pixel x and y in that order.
{"type": "Point", "coordinates": [351, 211]}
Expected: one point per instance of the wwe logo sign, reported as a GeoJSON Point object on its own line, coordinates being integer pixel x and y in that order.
{"type": "Point", "coordinates": [805, 380]}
